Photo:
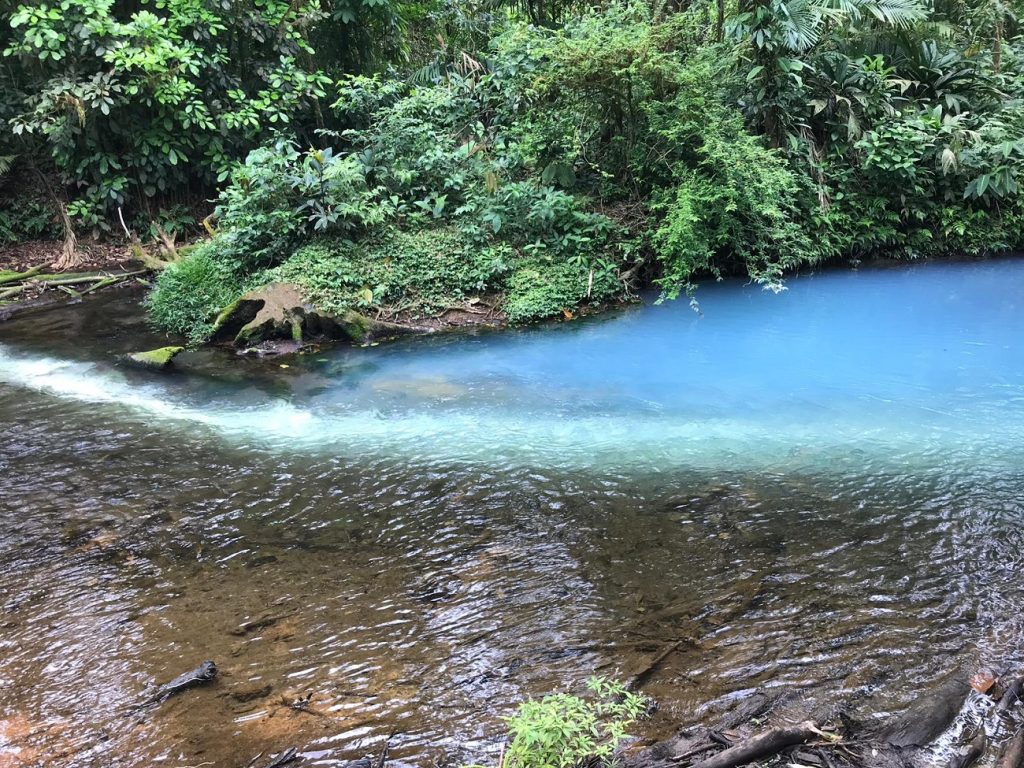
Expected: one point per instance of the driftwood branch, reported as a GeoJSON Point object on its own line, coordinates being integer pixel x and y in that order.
{"type": "Point", "coordinates": [762, 745]}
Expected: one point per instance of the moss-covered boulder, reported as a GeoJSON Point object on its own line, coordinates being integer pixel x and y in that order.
{"type": "Point", "coordinates": [275, 311]}
{"type": "Point", "coordinates": [155, 358]}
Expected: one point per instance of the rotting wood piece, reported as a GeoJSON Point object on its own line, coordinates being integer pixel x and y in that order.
{"type": "Point", "coordinates": [765, 744]}
{"type": "Point", "coordinates": [975, 750]}
{"type": "Point", "coordinates": [928, 716]}
{"type": "Point", "coordinates": [644, 674]}
{"type": "Point", "coordinates": [1013, 755]}
{"type": "Point", "coordinates": [1011, 696]}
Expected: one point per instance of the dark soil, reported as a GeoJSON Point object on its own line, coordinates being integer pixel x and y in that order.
{"type": "Point", "coordinates": [107, 259]}
{"type": "Point", "coordinates": [98, 256]}
{"type": "Point", "coordinates": [481, 312]}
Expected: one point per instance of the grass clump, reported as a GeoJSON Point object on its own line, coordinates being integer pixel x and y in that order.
{"type": "Point", "coordinates": [190, 293]}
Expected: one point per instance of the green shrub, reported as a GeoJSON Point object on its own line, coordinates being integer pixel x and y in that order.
{"type": "Point", "coordinates": [189, 294]}
{"type": "Point", "coordinates": [728, 203]}
{"type": "Point", "coordinates": [281, 196]}
{"type": "Point", "coordinates": [539, 289]}
{"type": "Point", "coordinates": [134, 101]}
{"type": "Point", "coordinates": [565, 731]}
{"type": "Point", "coordinates": [27, 218]}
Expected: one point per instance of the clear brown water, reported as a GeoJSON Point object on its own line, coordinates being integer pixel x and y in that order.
{"type": "Point", "coordinates": [422, 587]}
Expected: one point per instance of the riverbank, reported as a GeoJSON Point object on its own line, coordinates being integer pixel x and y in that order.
{"type": "Point", "coordinates": [274, 318]}
{"type": "Point", "coordinates": [30, 280]}
{"type": "Point", "coordinates": [96, 255]}
{"type": "Point", "coordinates": [281, 318]}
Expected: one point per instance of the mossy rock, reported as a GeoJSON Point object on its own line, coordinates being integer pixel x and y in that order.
{"type": "Point", "coordinates": [280, 312]}
{"type": "Point", "coordinates": [275, 311]}
{"type": "Point", "coordinates": [156, 358]}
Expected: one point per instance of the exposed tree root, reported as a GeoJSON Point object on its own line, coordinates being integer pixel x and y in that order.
{"type": "Point", "coordinates": [1011, 696]}
{"type": "Point", "coordinates": [929, 715]}
{"type": "Point", "coordinates": [838, 740]}
{"type": "Point", "coordinates": [70, 257]}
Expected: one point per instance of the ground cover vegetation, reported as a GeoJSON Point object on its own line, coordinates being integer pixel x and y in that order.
{"type": "Point", "coordinates": [404, 157]}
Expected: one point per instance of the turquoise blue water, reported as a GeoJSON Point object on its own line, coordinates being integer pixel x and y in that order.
{"type": "Point", "coordinates": [921, 364]}
{"type": "Point", "coordinates": [818, 491]}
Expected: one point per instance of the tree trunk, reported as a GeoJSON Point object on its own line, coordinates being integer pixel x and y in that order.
{"type": "Point", "coordinates": [70, 256]}
{"type": "Point", "coordinates": [997, 45]}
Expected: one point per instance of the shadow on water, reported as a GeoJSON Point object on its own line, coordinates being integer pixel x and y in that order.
{"type": "Point", "coordinates": [818, 491]}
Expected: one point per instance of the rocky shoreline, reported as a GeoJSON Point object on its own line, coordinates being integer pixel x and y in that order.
{"type": "Point", "coordinates": [962, 722]}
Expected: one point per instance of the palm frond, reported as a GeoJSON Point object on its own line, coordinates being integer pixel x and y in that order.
{"type": "Point", "coordinates": [801, 24]}
{"type": "Point", "coordinates": [901, 14]}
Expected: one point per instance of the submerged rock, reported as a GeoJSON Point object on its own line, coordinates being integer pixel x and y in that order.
{"type": "Point", "coordinates": [156, 358]}
{"type": "Point", "coordinates": [280, 312]}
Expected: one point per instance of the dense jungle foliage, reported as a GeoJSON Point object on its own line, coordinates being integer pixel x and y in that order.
{"type": "Point", "coordinates": [407, 156]}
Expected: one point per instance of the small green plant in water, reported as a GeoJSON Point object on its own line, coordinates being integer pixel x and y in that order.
{"type": "Point", "coordinates": [564, 731]}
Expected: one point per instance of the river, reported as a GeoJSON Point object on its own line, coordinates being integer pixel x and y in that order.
{"type": "Point", "coordinates": [820, 490]}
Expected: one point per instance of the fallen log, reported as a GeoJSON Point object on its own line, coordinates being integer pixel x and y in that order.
{"type": "Point", "coordinates": [766, 744]}
{"type": "Point", "coordinates": [975, 750]}
{"type": "Point", "coordinates": [1011, 696]}
{"type": "Point", "coordinates": [19, 276]}
{"type": "Point", "coordinates": [928, 716]}
{"type": "Point", "coordinates": [1013, 755]}
{"type": "Point", "coordinates": [103, 284]}
{"type": "Point", "coordinates": [69, 280]}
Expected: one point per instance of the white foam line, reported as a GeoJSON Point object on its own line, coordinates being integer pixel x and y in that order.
{"type": "Point", "coordinates": [482, 434]}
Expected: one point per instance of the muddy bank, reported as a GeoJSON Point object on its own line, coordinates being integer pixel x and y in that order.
{"type": "Point", "coordinates": [275, 319]}
{"type": "Point", "coordinates": [955, 724]}
{"type": "Point", "coordinates": [96, 255]}
{"type": "Point", "coordinates": [32, 281]}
